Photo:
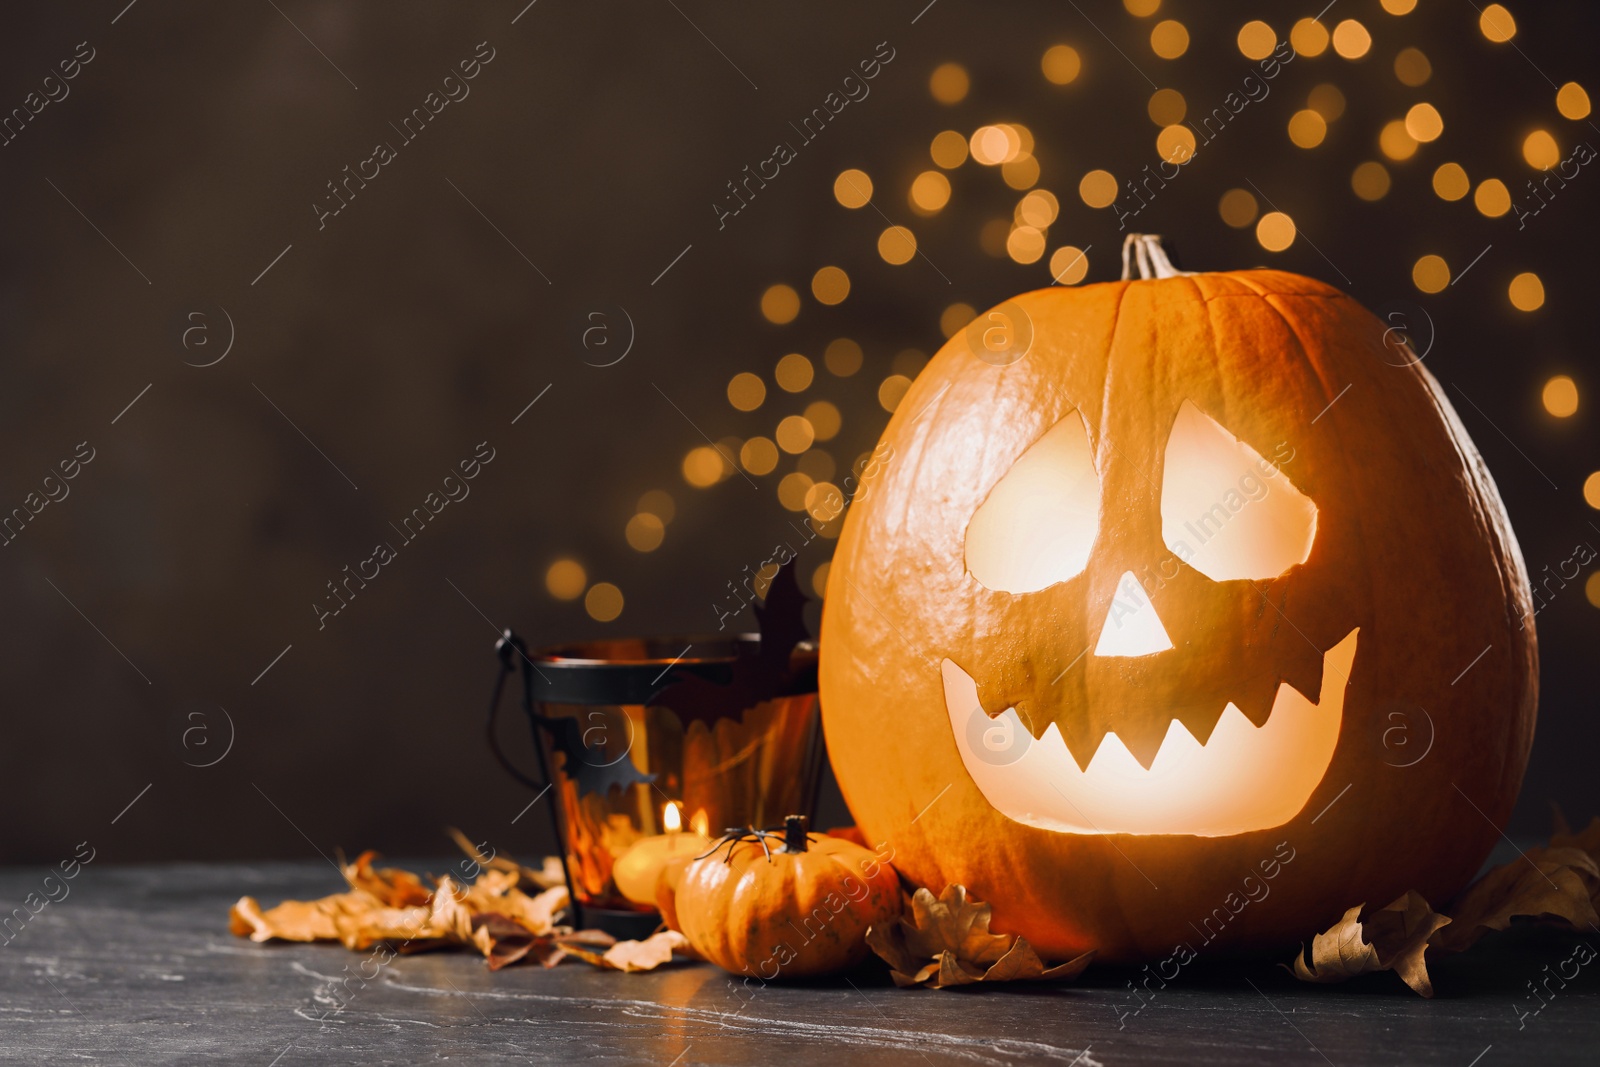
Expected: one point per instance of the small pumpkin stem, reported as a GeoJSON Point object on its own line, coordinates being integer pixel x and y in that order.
{"type": "Point", "coordinates": [1145, 250]}
{"type": "Point", "coordinates": [794, 833]}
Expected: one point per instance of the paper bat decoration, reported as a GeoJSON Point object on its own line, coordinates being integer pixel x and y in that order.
{"type": "Point", "coordinates": [751, 679]}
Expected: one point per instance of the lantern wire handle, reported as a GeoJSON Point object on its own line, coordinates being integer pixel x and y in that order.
{"type": "Point", "coordinates": [1146, 251]}
{"type": "Point", "coordinates": [508, 646]}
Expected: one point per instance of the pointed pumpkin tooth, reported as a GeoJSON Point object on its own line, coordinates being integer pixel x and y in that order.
{"type": "Point", "coordinates": [1201, 719]}
{"type": "Point", "coordinates": [1033, 720]}
{"type": "Point", "coordinates": [1143, 736]}
{"type": "Point", "coordinates": [1303, 670]}
{"type": "Point", "coordinates": [1255, 697]}
{"type": "Point", "coordinates": [1082, 738]}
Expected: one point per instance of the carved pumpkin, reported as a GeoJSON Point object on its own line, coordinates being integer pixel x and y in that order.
{"type": "Point", "coordinates": [776, 907]}
{"type": "Point", "coordinates": [1185, 615]}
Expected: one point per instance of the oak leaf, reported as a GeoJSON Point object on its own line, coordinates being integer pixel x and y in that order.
{"type": "Point", "coordinates": [947, 942]}
{"type": "Point", "coordinates": [1393, 938]}
{"type": "Point", "coordinates": [1555, 885]}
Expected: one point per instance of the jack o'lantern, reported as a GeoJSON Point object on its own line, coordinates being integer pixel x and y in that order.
{"type": "Point", "coordinates": [1185, 615]}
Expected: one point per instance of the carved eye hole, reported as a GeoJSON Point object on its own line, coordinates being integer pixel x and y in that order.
{"type": "Point", "coordinates": [1039, 521]}
{"type": "Point", "coordinates": [1225, 510]}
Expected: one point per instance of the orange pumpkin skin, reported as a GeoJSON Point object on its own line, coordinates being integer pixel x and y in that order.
{"type": "Point", "coordinates": [1413, 551]}
{"type": "Point", "coordinates": [797, 915]}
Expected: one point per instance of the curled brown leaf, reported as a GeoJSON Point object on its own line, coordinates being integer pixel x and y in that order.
{"type": "Point", "coordinates": [947, 942]}
{"type": "Point", "coordinates": [1392, 938]}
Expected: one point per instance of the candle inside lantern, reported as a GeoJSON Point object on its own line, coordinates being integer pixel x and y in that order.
{"type": "Point", "coordinates": [638, 869]}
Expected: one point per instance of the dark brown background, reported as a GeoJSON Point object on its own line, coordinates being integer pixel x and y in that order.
{"type": "Point", "coordinates": [409, 330]}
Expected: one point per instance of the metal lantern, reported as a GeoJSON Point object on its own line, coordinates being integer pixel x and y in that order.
{"type": "Point", "coordinates": [649, 747]}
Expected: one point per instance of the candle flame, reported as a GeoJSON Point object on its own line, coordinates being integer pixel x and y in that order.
{"type": "Point", "coordinates": [672, 817]}
{"type": "Point", "coordinates": [700, 823]}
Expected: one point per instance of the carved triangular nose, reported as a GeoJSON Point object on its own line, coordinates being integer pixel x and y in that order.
{"type": "Point", "coordinates": [1132, 627]}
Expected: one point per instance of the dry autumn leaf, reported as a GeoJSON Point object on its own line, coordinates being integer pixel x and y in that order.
{"type": "Point", "coordinates": [1393, 938]}
{"type": "Point", "coordinates": [490, 914]}
{"type": "Point", "coordinates": [1558, 884]}
{"type": "Point", "coordinates": [633, 956]}
{"type": "Point", "coordinates": [1550, 884]}
{"type": "Point", "coordinates": [947, 942]}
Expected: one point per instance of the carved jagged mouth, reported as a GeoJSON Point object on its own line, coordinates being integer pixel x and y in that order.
{"type": "Point", "coordinates": [1243, 778]}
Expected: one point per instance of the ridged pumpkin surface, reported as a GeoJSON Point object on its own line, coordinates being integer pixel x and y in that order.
{"type": "Point", "coordinates": [1412, 562]}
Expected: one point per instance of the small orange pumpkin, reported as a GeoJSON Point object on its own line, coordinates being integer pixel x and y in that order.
{"type": "Point", "coordinates": [793, 911]}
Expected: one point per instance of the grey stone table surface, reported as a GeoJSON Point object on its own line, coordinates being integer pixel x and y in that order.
{"type": "Point", "coordinates": [136, 966]}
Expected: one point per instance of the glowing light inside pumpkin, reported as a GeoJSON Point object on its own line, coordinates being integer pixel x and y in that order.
{"type": "Point", "coordinates": [1243, 778]}
{"type": "Point", "coordinates": [1039, 521]}
{"type": "Point", "coordinates": [1225, 510]}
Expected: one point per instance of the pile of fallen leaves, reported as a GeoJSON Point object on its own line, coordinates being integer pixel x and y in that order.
{"type": "Point", "coordinates": [947, 942]}
{"type": "Point", "coordinates": [1558, 884]}
{"type": "Point", "coordinates": [492, 914]}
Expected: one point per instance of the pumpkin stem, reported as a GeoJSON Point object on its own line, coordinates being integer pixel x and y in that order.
{"type": "Point", "coordinates": [794, 833]}
{"type": "Point", "coordinates": [1145, 250]}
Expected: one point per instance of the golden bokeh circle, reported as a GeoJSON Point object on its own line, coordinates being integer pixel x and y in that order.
{"type": "Point", "coordinates": [1167, 107]}
{"type": "Point", "coordinates": [1424, 123]}
{"type": "Point", "coordinates": [1526, 292]}
{"type": "Point", "coordinates": [892, 390]}
{"type": "Point", "coordinates": [949, 83]}
{"type": "Point", "coordinates": [1256, 39]}
{"type": "Point", "coordinates": [1069, 265]}
{"type": "Point", "coordinates": [842, 357]}
{"type": "Point", "coordinates": [930, 192]}
{"type": "Point", "coordinates": [1450, 181]}
{"type": "Point", "coordinates": [645, 532]}
{"type": "Point", "coordinates": [1560, 396]}
{"type": "Point", "coordinates": [1572, 100]}
{"type": "Point", "coordinates": [780, 304]}
{"type": "Point", "coordinates": [825, 420]}
{"type": "Point", "coordinates": [703, 466]}
{"type": "Point", "coordinates": [1025, 244]}
{"type": "Point", "coordinates": [1098, 188]}
{"type": "Point", "coordinates": [1591, 490]}
{"type": "Point", "coordinates": [746, 391]}
{"type": "Point", "coordinates": [1496, 23]}
{"type": "Point", "coordinates": [830, 285]}
{"type": "Point", "coordinates": [565, 579]}
{"type": "Point", "coordinates": [949, 149]}
{"type": "Point", "coordinates": [1275, 232]}
{"type": "Point", "coordinates": [793, 373]}
{"type": "Point", "coordinates": [1175, 144]}
{"type": "Point", "coordinates": [1411, 66]}
{"type": "Point", "coordinates": [1370, 180]}
{"type": "Point", "coordinates": [1326, 100]}
{"type": "Point", "coordinates": [1169, 39]}
{"type": "Point", "coordinates": [852, 188]}
{"type": "Point", "coordinates": [1061, 64]}
{"type": "Point", "coordinates": [897, 245]}
{"type": "Point", "coordinates": [1351, 39]}
{"type": "Point", "coordinates": [1308, 38]}
{"type": "Point", "coordinates": [792, 489]}
{"type": "Point", "coordinates": [759, 456]}
{"type": "Point", "coordinates": [1396, 141]}
{"type": "Point", "coordinates": [1237, 208]}
{"type": "Point", "coordinates": [1431, 274]}
{"type": "Point", "coordinates": [1539, 148]}
{"type": "Point", "coordinates": [603, 602]}
{"type": "Point", "coordinates": [794, 434]}
{"type": "Point", "coordinates": [1307, 128]}
{"type": "Point", "coordinates": [1492, 198]}
{"type": "Point", "coordinates": [954, 319]}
